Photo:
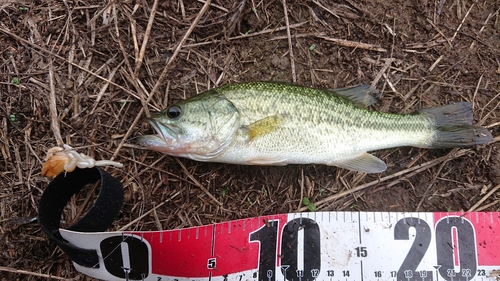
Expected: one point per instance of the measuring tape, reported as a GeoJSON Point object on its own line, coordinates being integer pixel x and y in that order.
{"type": "Point", "coordinates": [299, 246]}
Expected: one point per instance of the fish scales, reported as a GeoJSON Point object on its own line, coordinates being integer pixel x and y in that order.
{"type": "Point", "coordinates": [313, 115]}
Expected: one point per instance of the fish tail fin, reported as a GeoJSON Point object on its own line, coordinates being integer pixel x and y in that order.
{"type": "Point", "coordinates": [453, 124]}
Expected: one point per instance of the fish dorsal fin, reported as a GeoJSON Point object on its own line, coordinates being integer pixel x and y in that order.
{"type": "Point", "coordinates": [365, 163]}
{"type": "Point", "coordinates": [263, 126]}
{"type": "Point", "coordinates": [360, 95]}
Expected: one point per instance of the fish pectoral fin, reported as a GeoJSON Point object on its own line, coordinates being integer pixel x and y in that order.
{"type": "Point", "coordinates": [263, 126]}
{"type": "Point", "coordinates": [360, 95]}
{"type": "Point", "coordinates": [365, 163]}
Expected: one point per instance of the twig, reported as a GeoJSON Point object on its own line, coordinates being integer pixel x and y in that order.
{"type": "Point", "coordinates": [352, 44]}
{"type": "Point", "coordinates": [266, 31]}
{"type": "Point", "coordinates": [476, 90]}
{"type": "Point", "coordinates": [183, 10]}
{"type": "Point", "coordinates": [157, 220]}
{"type": "Point", "coordinates": [482, 29]}
{"type": "Point", "coordinates": [391, 85]}
{"type": "Point", "coordinates": [439, 31]}
{"type": "Point", "coordinates": [14, 270]}
{"type": "Point", "coordinates": [461, 23]}
{"type": "Point", "coordinates": [196, 182]}
{"type": "Point", "coordinates": [143, 215]}
{"type": "Point", "coordinates": [489, 113]}
{"type": "Point", "coordinates": [435, 63]}
{"type": "Point", "coordinates": [473, 208]}
{"type": "Point", "coordinates": [54, 124]}
{"type": "Point", "coordinates": [179, 46]}
{"type": "Point", "coordinates": [215, 6]}
{"type": "Point", "coordinates": [386, 66]}
{"type": "Point", "coordinates": [326, 9]}
{"type": "Point", "coordinates": [105, 87]}
{"type": "Point", "coordinates": [426, 45]}
{"type": "Point", "coordinates": [138, 62]}
{"type": "Point", "coordinates": [301, 189]}
{"type": "Point", "coordinates": [290, 47]}
{"type": "Point", "coordinates": [433, 180]}
{"type": "Point", "coordinates": [484, 207]}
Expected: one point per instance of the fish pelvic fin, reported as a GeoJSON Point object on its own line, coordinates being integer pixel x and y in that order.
{"type": "Point", "coordinates": [366, 163]}
{"type": "Point", "coordinates": [263, 126]}
{"type": "Point", "coordinates": [453, 125]}
{"type": "Point", "coordinates": [359, 95]}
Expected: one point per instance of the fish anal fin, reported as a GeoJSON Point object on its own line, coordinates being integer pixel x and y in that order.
{"type": "Point", "coordinates": [272, 161]}
{"type": "Point", "coordinates": [360, 95]}
{"type": "Point", "coordinates": [365, 163]}
{"type": "Point", "coordinates": [263, 126]}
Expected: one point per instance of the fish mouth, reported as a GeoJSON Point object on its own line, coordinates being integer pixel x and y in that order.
{"type": "Point", "coordinates": [165, 136]}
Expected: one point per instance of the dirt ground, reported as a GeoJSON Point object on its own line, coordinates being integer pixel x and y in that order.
{"type": "Point", "coordinates": [88, 72]}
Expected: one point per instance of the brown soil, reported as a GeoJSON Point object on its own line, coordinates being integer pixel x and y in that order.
{"type": "Point", "coordinates": [102, 63]}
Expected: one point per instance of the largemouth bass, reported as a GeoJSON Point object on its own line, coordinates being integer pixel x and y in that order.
{"type": "Point", "coordinates": [269, 123]}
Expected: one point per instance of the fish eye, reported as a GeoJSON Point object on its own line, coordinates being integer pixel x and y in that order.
{"type": "Point", "coordinates": [174, 112]}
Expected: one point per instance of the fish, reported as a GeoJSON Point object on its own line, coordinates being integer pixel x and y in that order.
{"type": "Point", "coordinates": [274, 123]}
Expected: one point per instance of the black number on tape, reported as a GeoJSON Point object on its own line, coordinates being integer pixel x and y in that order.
{"type": "Point", "coordinates": [456, 234]}
{"type": "Point", "coordinates": [311, 251]}
{"type": "Point", "coordinates": [455, 242]}
{"type": "Point", "coordinates": [211, 263]}
{"type": "Point", "coordinates": [361, 252]}
{"type": "Point", "coordinates": [407, 271]}
{"type": "Point", "coordinates": [126, 257]}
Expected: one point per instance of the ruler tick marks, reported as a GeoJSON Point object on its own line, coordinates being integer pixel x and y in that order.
{"type": "Point", "coordinates": [212, 252]}
{"type": "Point", "coordinates": [361, 266]}
{"type": "Point", "coordinates": [359, 227]}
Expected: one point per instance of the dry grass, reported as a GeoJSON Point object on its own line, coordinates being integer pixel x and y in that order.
{"type": "Point", "coordinates": [87, 73]}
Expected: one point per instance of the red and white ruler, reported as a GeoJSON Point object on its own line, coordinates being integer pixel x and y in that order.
{"type": "Point", "coordinates": [327, 246]}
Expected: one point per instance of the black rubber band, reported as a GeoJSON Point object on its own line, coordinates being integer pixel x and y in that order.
{"type": "Point", "coordinates": [99, 217]}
